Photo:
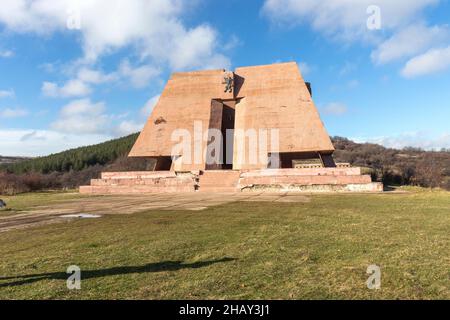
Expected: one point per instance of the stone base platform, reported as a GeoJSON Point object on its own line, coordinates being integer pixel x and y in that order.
{"type": "Point", "coordinates": [271, 180]}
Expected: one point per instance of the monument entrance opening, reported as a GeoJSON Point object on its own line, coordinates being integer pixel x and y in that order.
{"type": "Point", "coordinates": [222, 120]}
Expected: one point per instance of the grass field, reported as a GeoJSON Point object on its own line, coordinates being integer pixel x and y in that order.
{"type": "Point", "coordinates": [242, 250]}
{"type": "Point", "coordinates": [29, 200]}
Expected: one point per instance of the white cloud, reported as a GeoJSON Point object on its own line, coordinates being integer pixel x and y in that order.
{"type": "Point", "coordinates": [80, 86]}
{"type": "Point", "coordinates": [305, 68]}
{"type": "Point", "coordinates": [434, 60]}
{"type": "Point", "coordinates": [232, 43]}
{"type": "Point", "coordinates": [153, 27]}
{"type": "Point", "coordinates": [140, 76]}
{"type": "Point", "coordinates": [13, 113]}
{"type": "Point", "coordinates": [6, 53]}
{"type": "Point", "coordinates": [148, 108]}
{"type": "Point", "coordinates": [50, 89]}
{"type": "Point", "coordinates": [344, 19]}
{"type": "Point", "coordinates": [85, 78]}
{"type": "Point", "coordinates": [7, 93]}
{"type": "Point", "coordinates": [421, 140]}
{"type": "Point", "coordinates": [32, 143]}
{"type": "Point", "coordinates": [127, 127]}
{"type": "Point", "coordinates": [335, 108]}
{"type": "Point", "coordinates": [94, 76]}
{"type": "Point", "coordinates": [72, 88]}
{"type": "Point", "coordinates": [195, 49]}
{"type": "Point", "coordinates": [410, 41]}
{"type": "Point", "coordinates": [404, 32]}
{"type": "Point", "coordinates": [33, 16]}
{"type": "Point", "coordinates": [352, 84]}
{"type": "Point", "coordinates": [82, 117]}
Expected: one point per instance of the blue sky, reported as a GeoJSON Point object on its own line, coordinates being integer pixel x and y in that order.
{"type": "Point", "coordinates": [77, 72]}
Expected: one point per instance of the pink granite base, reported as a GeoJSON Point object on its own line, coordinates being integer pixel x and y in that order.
{"type": "Point", "coordinates": [280, 180]}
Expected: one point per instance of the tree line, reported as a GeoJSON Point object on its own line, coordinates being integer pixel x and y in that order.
{"type": "Point", "coordinates": [408, 166]}
{"type": "Point", "coordinates": [76, 159]}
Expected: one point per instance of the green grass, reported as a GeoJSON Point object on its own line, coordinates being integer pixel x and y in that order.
{"type": "Point", "coordinates": [315, 250]}
{"type": "Point", "coordinates": [31, 200]}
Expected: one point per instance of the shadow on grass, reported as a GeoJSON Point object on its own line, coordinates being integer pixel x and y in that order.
{"type": "Point", "coordinates": [90, 274]}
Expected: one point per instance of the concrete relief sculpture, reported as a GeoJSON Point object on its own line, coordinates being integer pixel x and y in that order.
{"type": "Point", "coordinates": [228, 81]}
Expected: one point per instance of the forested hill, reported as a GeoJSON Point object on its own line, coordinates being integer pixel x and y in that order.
{"type": "Point", "coordinates": [408, 166]}
{"type": "Point", "coordinates": [75, 159]}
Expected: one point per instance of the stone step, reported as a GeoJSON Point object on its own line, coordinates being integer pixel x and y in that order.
{"type": "Point", "coordinates": [116, 189]}
{"type": "Point", "coordinates": [319, 188]}
{"type": "Point", "coordinates": [218, 181]}
{"type": "Point", "coordinates": [138, 175]}
{"type": "Point", "coordinates": [218, 189]}
{"type": "Point", "coordinates": [303, 172]}
{"type": "Point", "coordinates": [219, 178]}
{"type": "Point", "coordinates": [173, 181]}
{"type": "Point", "coordinates": [303, 180]}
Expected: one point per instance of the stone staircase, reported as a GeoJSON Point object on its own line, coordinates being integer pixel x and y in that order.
{"type": "Point", "coordinates": [229, 181]}
{"type": "Point", "coordinates": [219, 181]}
{"type": "Point", "coordinates": [142, 182]}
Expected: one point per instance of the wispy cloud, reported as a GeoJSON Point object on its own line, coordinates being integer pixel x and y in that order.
{"type": "Point", "coordinates": [423, 140]}
{"type": "Point", "coordinates": [13, 113]}
{"type": "Point", "coordinates": [127, 127]}
{"type": "Point", "coordinates": [73, 88]}
{"type": "Point", "coordinates": [7, 93]}
{"type": "Point", "coordinates": [433, 61]}
{"type": "Point", "coordinates": [410, 41]}
{"type": "Point", "coordinates": [82, 117]}
{"type": "Point", "coordinates": [305, 68]}
{"type": "Point", "coordinates": [6, 53]}
{"type": "Point", "coordinates": [85, 117]}
{"type": "Point", "coordinates": [31, 143]}
{"type": "Point", "coordinates": [405, 32]}
{"type": "Point", "coordinates": [335, 109]}
{"type": "Point", "coordinates": [148, 108]}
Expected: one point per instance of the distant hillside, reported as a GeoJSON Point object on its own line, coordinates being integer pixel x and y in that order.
{"type": "Point", "coordinates": [6, 160]}
{"type": "Point", "coordinates": [409, 166]}
{"type": "Point", "coordinates": [75, 159]}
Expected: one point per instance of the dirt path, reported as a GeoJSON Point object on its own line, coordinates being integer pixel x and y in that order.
{"type": "Point", "coordinates": [123, 204]}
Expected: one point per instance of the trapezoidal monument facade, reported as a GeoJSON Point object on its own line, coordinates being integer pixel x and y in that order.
{"type": "Point", "coordinates": [256, 128]}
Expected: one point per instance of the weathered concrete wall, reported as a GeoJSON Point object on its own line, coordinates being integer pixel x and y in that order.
{"type": "Point", "coordinates": [276, 97]}
{"type": "Point", "coordinates": [185, 99]}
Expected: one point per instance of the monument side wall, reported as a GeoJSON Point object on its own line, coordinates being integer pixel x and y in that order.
{"type": "Point", "coordinates": [277, 97]}
{"type": "Point", "coordinates": [184, 105]}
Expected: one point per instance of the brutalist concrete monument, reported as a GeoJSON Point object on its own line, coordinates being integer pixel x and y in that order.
{"type": "Point", "coordinates": [256, 128]}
